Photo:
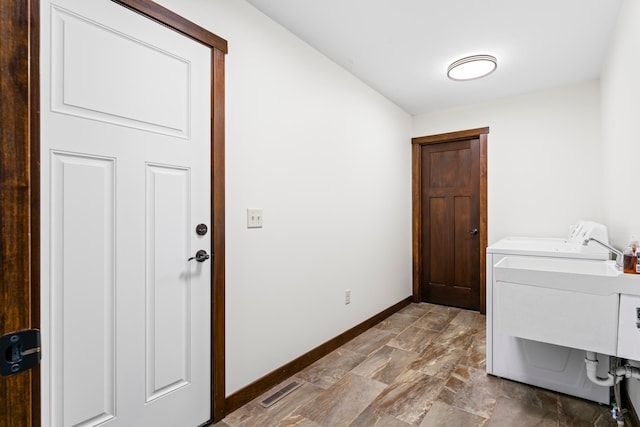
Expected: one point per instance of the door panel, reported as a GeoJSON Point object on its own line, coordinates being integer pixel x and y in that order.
{"type": "Point", "coordinates": [126, 127]}
{"type": "Point", "coordinates": [438, 241]}
{"type": "Point", "coordinates": [168, 305]}
{"type": "Point", "coordinates": [83, 286]}
{"type": "Point", "coordinates": [445, 167]}
{"type": "Point", "coordinates": [464, 261]}
{"type": "Point", "coordinates": [450, 211]}
{"type": "Point", "coordinates": [86, 84]}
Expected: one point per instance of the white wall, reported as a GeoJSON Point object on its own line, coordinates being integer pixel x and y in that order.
{"type": "Point", "coordinates": [620, 121]}
{"type": "Point", "coordinates": [328, 159]}
{"type": "Point", "coordinates": [621, 140]}
{"type": "Point", "coordinates": [544, 158]}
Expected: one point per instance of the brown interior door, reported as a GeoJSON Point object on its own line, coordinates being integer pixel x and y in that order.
{"type": "Point", "coordinates": [450, 183]}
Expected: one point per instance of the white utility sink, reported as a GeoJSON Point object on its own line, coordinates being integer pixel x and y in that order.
{"type": "Point", "coordinates": [593, 277]}
{"type": "Point", "coordinates": [568, 302]}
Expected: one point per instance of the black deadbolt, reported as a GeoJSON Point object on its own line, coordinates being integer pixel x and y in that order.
{"type": "Point", "coordinates": [201, 229]}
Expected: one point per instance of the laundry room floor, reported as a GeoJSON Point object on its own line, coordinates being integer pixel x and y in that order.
{"type": "Point", "coordinates": [423, 366]}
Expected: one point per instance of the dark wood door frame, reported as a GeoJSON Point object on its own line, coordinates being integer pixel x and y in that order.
{"type": "Point", "coordinates": [416, 196]}
{"type": "Point", "coordinates": [20, 193]}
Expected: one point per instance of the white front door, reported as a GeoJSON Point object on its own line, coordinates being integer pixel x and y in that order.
{"type": "Point", "coordinates": [125, 166]}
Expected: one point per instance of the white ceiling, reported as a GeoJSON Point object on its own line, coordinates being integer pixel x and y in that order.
{"type": "Point", "coordinates": [402, 48]}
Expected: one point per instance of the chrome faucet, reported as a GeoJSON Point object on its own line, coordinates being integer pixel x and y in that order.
{"type": "Point", "coordinates": [618, 253]}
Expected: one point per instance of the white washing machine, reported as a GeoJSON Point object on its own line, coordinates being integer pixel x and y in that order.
{"type": "Point", "coordinates": [544, 365]}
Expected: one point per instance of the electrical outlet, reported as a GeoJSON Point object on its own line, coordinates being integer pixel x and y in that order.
{"type": "Point", "coordinates": [347, 296]}
{"type": "Point", "coordinates": [254, 218]}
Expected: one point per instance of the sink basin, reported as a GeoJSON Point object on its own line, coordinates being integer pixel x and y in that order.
{"type": "Point", "coordinates": [593, 277]}
{"type": "Point", "coordinates": [567, 302]}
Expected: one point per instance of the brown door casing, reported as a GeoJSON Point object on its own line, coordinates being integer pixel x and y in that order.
{"type": "Point", "coordinates": [450, 218]}
{"type": "Point", "coordinates": [20, 193]}
{"type": "Point", "coordinates": [19, 244]}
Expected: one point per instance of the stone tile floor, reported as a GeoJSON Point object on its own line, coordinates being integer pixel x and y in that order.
{"type": "Point", "coordinates": [423, 366]}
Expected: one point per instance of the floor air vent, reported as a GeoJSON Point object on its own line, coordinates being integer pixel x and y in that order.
{"type": "Point", "coordinates": [280, 393]}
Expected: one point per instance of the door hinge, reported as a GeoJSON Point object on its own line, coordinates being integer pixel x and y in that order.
{"type": "Point", "coordinates": [19, 351]}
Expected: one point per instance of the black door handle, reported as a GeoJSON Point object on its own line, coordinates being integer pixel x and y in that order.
{"type": "Point", "coordinates": [201, 256]}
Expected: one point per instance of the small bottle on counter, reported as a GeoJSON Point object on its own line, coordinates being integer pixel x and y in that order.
{"type": "Point", "coordinates": [638, 264]}
{"type": "Point", "coordinates": [629, 256]}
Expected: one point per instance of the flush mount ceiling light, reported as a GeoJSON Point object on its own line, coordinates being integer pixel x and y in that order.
{"type": "Point", "coordinates": [472, 67]}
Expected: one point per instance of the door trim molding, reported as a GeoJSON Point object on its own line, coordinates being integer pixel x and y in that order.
{"type": "Point", "coordinates": [416, 202]}
{"type": "Point", "coordinates": [176, 22]}
{"type": "Point", "coordinates": [20, 192]}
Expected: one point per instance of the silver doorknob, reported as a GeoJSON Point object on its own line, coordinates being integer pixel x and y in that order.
{"type": "Point", "coordinates": [201, 256]}
{"type": "Point", "coordinates": [473, 232]}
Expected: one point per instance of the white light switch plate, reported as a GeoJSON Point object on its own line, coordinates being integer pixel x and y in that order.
{"type": "Point", "coordinates": [254, 218]}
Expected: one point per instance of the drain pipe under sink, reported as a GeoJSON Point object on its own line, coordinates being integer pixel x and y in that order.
{"type": "Point", "coordinates": [612, 378]}
{"type": "Point", "coordinates": [617, 412]}
{"type": "Point", "coordinates": [617, 374]}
